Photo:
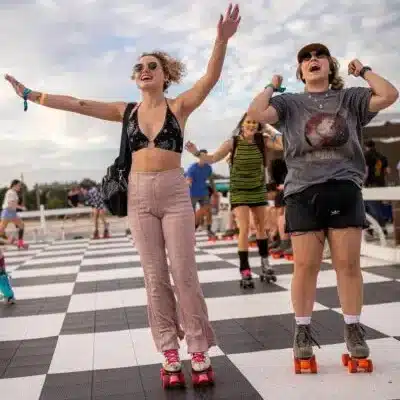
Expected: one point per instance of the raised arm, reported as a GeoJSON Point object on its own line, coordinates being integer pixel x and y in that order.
{"type": "Point", "coordinates": [213, 158]}
{"type": "Point", "coordinates": [194, 97]}
{"type": "Point", "coordinates": [384, 93]}
{"type": "Point", "coordinates": [259, 108]}
{"type": "Point", "coordinates": [112, 111]}
{"type": "Point", "coordinates": [273, 138]}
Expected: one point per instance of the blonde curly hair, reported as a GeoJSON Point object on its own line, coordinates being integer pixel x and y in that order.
{"type": "Point", "coordinates": [173, 69]}
{"type": "Point", "coordinates": [335, 80]}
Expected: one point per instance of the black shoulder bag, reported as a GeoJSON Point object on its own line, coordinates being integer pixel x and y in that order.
{"type": "Point", "coordinates": [114, 185]}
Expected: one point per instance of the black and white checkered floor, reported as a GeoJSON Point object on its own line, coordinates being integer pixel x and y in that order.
{"type": "Point", "coordinates": [79, 330]}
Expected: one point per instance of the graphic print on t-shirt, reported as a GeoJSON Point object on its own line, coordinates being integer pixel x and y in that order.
{"type": "Point", "coordinates": [325, 133]}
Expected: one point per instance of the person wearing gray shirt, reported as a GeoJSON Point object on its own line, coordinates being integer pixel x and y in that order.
{"type": "Point", "coordinates": [322, 136]}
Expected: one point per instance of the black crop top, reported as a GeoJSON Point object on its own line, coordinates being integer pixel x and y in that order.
{"type": "Point", "coordinates": [169, 138]}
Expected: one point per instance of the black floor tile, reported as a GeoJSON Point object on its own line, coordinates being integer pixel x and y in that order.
{"type": "Point", "coordinates": [105, 267]}
{"type": "Point", "coordinates": [205, 266]}
{"type": "Point", "coordinates": [109, 285]}
{"type": "Point", "coordinates": [374, 293]}
{"type": "Point", "coordinates": [27, 307]}
{"type": "Point", "coordinates": [232, 288]}
{"type": "Point", "coordinates": [48, 266]}
{"type": "Point", "coordinates": [230, 384]}
{"type": "Point", "coordinates": [98, 254]}
{"type": "Point", "coordinates": [78, 323]}
{"type": "Point", "coordinates": [71, 386]}
{"type": "Point", "coordinates": [43, 280]}
{"type": "Point", "coordinates": [387, 271]}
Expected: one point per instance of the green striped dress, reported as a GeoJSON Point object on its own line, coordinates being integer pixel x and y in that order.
{"type": "Point", "coordinates": [247, 175]}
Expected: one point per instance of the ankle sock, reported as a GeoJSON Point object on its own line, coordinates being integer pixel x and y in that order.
{"type": "Point", "coordinates": [351, 319]}
{"type": "Point", "coordinates": [303, 320]}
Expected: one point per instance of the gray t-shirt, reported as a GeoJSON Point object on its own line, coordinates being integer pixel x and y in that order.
{"type": "Point", "coordinates": [322, 136]}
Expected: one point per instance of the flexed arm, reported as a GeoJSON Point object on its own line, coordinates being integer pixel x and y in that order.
{"type": "Point", "coordinates": [96, 109]}
{"type": "Point", "coordinates": [219, 154]}
{"type": "Point", "coordinates": [194, 97]}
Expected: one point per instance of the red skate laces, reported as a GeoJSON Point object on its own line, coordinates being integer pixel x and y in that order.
{"type": "Point", "coordinates": [198, 357]}
{"type": "Point", "coordinates": [172, 356]}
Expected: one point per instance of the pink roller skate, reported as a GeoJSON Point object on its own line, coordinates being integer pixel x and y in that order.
{"type": "Point", "coordinates": [22, 245]}
{"type": "Point", "coordinates": [171, 372]}
{"type": "Point", "coordinates": [96, 234]}
{"type": "Point", "coordinates": [202, 372]}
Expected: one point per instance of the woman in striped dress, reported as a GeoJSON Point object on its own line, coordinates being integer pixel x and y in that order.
{"type": "Point", "coordinates": [247, 185]}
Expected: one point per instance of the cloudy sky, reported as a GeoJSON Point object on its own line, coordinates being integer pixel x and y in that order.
{"type": "Point", "coordinates": [86, 48]}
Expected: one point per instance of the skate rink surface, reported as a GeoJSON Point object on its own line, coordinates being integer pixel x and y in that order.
{"type": "Point", "coordinates": [79, 330]}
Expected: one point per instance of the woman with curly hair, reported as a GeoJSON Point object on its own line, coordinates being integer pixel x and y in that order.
{"type": "Point", "coordinates": [159, 210]}
{"type": "Point", "coordinates": [323, 129]}
{"type": "Point", "coordinates": [247, 187]}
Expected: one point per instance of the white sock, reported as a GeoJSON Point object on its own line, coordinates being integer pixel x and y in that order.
{"type": "Point", "coordinates": [351, 319]}
{"type": "Point", "coordinates": [303, 320]}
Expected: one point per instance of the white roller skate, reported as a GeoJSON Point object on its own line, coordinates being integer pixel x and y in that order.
{"type": "Point", "coordinates": [202, 372]}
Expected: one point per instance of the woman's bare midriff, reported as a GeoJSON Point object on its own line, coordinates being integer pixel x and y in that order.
{"type": "Point", "coordinates": [155, 160]}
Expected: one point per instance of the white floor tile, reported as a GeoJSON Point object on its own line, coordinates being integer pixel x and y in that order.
{"type": "Point", "coordinates": [219, 275]}
{"type": "Point", "coordinates": [106, 275]}
{"type": "Point", "coordinates": [254, 261]}
{"type": "Point", "coordinates": [368, 262]}
{"type": "Point", "coordinates": [227, 243]}
{"type": "Point", "coordinates": [82, 302]}
{"type": "Point", "coordinates": [228, 250]}
{"type": "Point", "coordinates": [382, 317]}
{"type": "Point", "coordinates": [73, 353]}
{"type": "Point", "coordinates": [25, 388]}
{"type": "Point", "coordinates": [105, 252]}
{"type": "Point", "coordinates": [251, 305]}
{"type": "Point", "coordinates": [328, 279]}
{"type": "Point", "coordinates": [104, 247]}
{"type": "Point", "coordinates": [113, 350]}
{"type": "Point", "coordinates": [65, 247]}
{"type": "Point", "coordinates": [41, 291]}
{"type": "Point", "coordinates": [31, 327]}
{"type": "Point", "coordinates": [57, 253]}
{"type": "Point", "coordinates": [271, 373]}
{"type": "Point", "coordinates": [206, 258]}
{"type": "Point", "coordinates": [146, 352]}
{"type": "Point", "coordinates": [110, 260]}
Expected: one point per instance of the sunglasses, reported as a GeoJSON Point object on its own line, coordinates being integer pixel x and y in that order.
{"type": "Point", "coordinates": [152, 66]}
{"type": "Point", "coordinates": [318, 53]}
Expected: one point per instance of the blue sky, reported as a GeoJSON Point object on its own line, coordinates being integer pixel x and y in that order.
{"type": "Point", "coordinates": [86, 48]}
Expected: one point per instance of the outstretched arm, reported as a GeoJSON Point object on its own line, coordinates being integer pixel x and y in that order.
{"type": "Point", "coordinates": [96, 109]}
{"type": "Point", "coordinates": [194, 97]}
{"type": "Point", "coordinates": [219, 154]}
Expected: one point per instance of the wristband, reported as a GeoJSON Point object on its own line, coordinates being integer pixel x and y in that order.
{"type": "Point", "coordinates": [364, 70]}
{"type": "Point", "coordinates": [25, 94]}
{"type": "Point", "coordinates": [280, 89]}
{"type": "Point", "coordinates": [197, 154]}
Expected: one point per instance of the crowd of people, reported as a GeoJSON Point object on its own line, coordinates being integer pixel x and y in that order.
{"type": "Point", "coordinates": [321, 200]}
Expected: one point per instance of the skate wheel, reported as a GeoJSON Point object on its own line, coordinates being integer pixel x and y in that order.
{"type": "Point", "coordinates": [204, 378]}
{"type": "Point", "coordinates": [345, 359]}
{"type": "Point", "coordinates": [307, 364]}
{"type": "Point", "coordinates": [276, 256]}
{"type": "Point", "coordinates": [273, 278]}
{"type": "Point", "coordinates": [262, 278]}
{"type": "Point", "coordinates": [356, 364]}
{"type": "Point", "coordinates": [289, 258]}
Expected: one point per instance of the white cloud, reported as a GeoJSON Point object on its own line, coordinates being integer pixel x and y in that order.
{"type": "Point", "coordinates": [87, 49]}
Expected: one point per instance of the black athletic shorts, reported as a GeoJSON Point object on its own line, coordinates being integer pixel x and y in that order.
{"type": "Point", "coordinates": [334, 204]}
{"type": "Point", "coordinates": [279, 200]}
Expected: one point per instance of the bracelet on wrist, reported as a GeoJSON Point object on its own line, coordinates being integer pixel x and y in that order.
{"type": "Point", "coordinates": [364, 70]}
{"type": "Point", "coordinates": [25, 95]}
{"type": "Point", "coordinates": [280, 89]}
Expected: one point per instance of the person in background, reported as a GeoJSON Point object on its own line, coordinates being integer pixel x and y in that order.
{"type": "Point", "coordinates": [197, 176]}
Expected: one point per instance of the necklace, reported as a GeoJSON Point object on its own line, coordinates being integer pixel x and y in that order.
{"type": "Point", "coordinates": [319, 100]}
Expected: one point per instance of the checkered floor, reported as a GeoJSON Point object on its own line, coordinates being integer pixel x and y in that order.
{"type": "Point", "coordinates": [79, 330]}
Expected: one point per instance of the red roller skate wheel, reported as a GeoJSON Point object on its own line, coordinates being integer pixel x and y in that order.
{"type": "Point", "coordinates": [172, 379]}
{"type": "Point", "coordinates": [203, 378]}
{"type": "Point", "coordinates": [307, 364]}
{"type": "Point", "coordinates": [355, 365]}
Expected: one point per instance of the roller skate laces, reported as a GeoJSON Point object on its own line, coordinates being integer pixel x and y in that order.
{"type": "Point", "coordinates": [171, 371]}
{"type": "Point", "coordinates": [304, 358]}
{"type": "Point", "coordinates": [202, 373]}
{"type": "Point", "coordinates": [357, 360]}
{"type": "Point", "coordinates": [267, 273]}
{"type": "Point", "coordinates": [247, 279]}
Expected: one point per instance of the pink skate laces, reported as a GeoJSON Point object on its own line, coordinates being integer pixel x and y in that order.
{"type": "Point", "coordinates": [172, 356]}
{"type": "Point", "coordinates": [198, 357]}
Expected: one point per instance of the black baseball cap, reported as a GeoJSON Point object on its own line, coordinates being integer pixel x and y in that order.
{"type": "Point", "coordinates": [312, 47]}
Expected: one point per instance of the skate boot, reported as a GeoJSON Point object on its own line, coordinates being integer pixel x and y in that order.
{"type": "Point", "coordinates": [247, 279]}
{"type": "Point", "coordinates": [252, 240]}
{"type": "Point", "coordinates": [304, 358]}
{"type": "Point", "coordinates": [278, 251]}
{"type": "Point", "coordinates": [288, 253]}
{"type": "Point", "coordinates": [21, 244]}
{"type": "Point", "coordinates": [229, 234]}
{"type": "Point", "coordinates": [274, 243]}
{"type": "Point", "coordinates": [5, 287]}
{"type": "Point", "coordinates": [171, 371]}
{"type": "Point", "coordinates": [106, 233]}
{"type": "Point", "coordinates": [202, 372]}
{"type": "Point", "coordinates": [354, 336]}
{"type": "Point", "coordinates": [96, 234]}
{"type": "Point", "coordinates": [212, 237]}
{"type": "Point", "coordinates": [267, 273]}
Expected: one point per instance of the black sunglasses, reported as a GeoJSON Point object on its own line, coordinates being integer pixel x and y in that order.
{"type": "Point", "coordinates": [318, 53]}
{"type": "Point", "coordinates": [152, 65]}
